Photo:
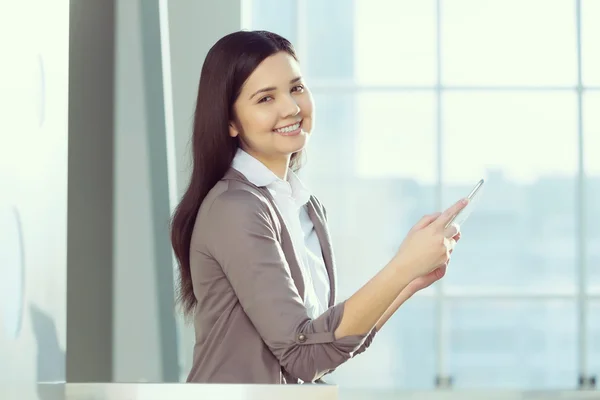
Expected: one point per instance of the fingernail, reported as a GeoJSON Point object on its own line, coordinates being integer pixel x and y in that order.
{"type": "Point", "coordinates": [465, 201]}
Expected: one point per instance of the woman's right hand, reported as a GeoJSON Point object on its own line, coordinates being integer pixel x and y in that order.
{"type": "Point", "coordinates": [428, 244]}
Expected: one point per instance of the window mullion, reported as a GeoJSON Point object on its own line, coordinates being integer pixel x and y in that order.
{"type": "Point", "coordinates": [585, 380]}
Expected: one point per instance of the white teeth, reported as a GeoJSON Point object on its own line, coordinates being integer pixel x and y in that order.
{"type": "Point", "coordinates": [289, 128]}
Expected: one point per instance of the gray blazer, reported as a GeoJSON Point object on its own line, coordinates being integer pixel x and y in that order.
{"type": "Point", "coordinates": [250, 321]}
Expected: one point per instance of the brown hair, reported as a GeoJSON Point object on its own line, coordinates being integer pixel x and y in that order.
{"type": "Point", "coordinates": [227, 66]}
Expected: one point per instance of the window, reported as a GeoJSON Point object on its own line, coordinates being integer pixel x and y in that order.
{"type": "Point", "coordinates": [593, 338]}
{"type": "Point", "coordinates": [515, 344]}
{"type": "Point", "coordinates": [522, 236]}
{"type": "Point", "coordinates": [416, 101]}
{"type": "Point", "coordinates": [591, 128]}
{"type": "Point", "coordinates": [590, 42]}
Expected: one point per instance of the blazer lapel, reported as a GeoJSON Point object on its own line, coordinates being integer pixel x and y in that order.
{"type": "Point", "coordinates": [287, 247]}
{"type": "Point", "coordinates": [318, 219]}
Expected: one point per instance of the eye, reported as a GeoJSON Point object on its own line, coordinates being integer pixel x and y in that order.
{"type": "Point", "coordinates": [265, 99]}
{"type": "Point", "coordinates": [298, 88]}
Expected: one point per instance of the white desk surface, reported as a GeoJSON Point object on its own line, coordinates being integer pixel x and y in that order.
{"type": "Point", "coordinates": [181, 391]}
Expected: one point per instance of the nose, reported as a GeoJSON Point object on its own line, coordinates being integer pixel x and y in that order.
{"type": "Point", "coordinates": [289, 107]}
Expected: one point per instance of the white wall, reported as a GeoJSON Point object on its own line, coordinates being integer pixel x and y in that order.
{"type": "Point", "coordinates": [33, 190]}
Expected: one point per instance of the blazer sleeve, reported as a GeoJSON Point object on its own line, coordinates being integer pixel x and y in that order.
{"type": "Point", "coordinates": [244, 242]}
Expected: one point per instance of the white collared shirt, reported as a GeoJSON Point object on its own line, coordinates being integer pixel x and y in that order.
{"type": "Point", "coordinates": [291, 197]}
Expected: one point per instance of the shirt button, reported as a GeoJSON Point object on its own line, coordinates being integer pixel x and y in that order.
{"type": "Point", "coordinates": [302, 338]}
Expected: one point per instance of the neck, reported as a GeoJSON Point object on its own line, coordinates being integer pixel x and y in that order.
{"type": "Point", "coordinates": [280, 169]}
{"type": "Point", "coordinates": [279, 166]}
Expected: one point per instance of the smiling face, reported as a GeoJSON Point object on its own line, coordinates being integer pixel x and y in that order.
{"type": "Point", "coordinates": [274, 112]}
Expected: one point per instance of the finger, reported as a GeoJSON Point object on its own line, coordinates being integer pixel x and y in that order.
{"type": "Point", "coordinates": [457, 237]}
{"type": "Point", "coordinates": [452, 231]}
{"type": "Point", "coordinates": [450, 212]}
{"type": "Point", "coordinates": [440, 272]}
{"type": "Point", "coordinates": [450, 243]}
{"type": "Point", "coordinates": [426, 220]}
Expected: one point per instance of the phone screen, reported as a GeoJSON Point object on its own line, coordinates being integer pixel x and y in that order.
{"type": "Point", "coordinates": [473, 196]}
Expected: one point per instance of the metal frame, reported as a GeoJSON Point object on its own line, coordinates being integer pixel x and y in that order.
{"type": "Point", "coordinates": [585, 380]}
{"type": "Point", "coordinates": [90, 247]}
{"type": "Point", "coordinates": [441, 296]}
{"type": "Point", "coordinates": [442, 378]}
{"type": "Point", "coordinates": [509, 296]}
{"type": "Point", "coordinates": [301, 11]}
{"type": "Point", "coordinates": [341, 86]}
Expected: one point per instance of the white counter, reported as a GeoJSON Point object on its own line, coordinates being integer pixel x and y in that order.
{"type": "Point", "coordinates": [184, 391]}
{"type": "Point", "coordinates": [158, 391]}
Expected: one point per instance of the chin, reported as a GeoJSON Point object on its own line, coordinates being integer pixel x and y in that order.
{"type": "Point", "coordinates": [293, 144]}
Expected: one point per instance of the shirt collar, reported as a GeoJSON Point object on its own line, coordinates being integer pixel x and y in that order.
{"type": "Point", "coordinates": [258, 174]}
{"type": "Point", "coordinates": [300, 193]}
{"type": "Point", "coordinates": [255, 171]}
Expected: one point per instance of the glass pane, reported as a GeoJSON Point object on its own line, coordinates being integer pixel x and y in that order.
{"type": "Point", "coordinates": [348, 129]}
{"type": "Point", "coordinates": [591, 131]}
{"type": "Point", "coordinates": [513, 345]}
{"type": "Point", "coordinates": [355, 136]}
{"type": "Point", "coordinates": [277, 16]}
{"type": "Point", "coordinates": [332, 146]}
{"type": "Point", "coordinates": [374, 42]}
{"type": "Point", "coordinates": [396, 136]}
{"type": "Point", "coordinates": [402, 356]}
{"type": "Point", "coordinates": [328, 37]}
{"type": "Point", "coordinates": [509, 42]}
{"type": "Point", "coordinates": [395, 42]}
{"type": "Point", "coordinates": [594, 339]}
{"type": "Point", "coordinates": [356, 155]}
{"type": "Point", "coordinates": [521, 235]}
{"type": "Point", "coordinates": [590, 41]}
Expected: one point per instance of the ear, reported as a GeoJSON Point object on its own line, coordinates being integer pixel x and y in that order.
{"type": "Point", "coordinates": [233, 130]}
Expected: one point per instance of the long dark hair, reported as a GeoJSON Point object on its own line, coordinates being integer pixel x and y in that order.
{"type": "Point", "coordinates": [227, 66]}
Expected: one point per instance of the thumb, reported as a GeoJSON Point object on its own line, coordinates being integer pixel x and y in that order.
{"type": "Point", "coordinates": [435, 275]}
{"type": "Point", "coordinates": [427, 280]}
{"type": "Point", "coordinates": [440, 272]}
{"type": "Point", "coordinates": [425, 221]}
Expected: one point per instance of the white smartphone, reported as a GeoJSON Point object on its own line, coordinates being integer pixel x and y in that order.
{"type": "Point", "coordinates": [463, 214]}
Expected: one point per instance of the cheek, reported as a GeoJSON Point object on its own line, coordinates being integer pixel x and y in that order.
{"type": "Point", "coordinates": [259, 121]}
{"type": "Point", "coordinates": [307, 106]}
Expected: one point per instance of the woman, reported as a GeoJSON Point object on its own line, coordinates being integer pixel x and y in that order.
{"type": "Point", "coordinates": [256, 266]}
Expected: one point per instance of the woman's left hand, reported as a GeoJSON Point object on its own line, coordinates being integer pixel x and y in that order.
{"type": "Point", "coordinates": [414, 286]}
{"type": "Point", "coordinates": [424, 281]}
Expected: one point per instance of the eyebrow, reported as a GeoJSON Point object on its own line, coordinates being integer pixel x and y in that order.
{"type": "Point", "coordinates": [268, 89]}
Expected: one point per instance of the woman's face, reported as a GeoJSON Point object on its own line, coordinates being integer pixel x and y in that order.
{"type": "Point", "coordinates": [274, 112]}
